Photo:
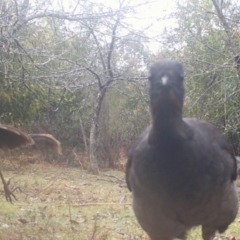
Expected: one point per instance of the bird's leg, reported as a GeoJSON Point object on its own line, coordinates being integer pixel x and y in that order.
{"type": "Point", "coordinates": [7, 191]}
{"type": "Point", "coordinates": [208, 233]}
{"type": "Point", "coordinates": [182, 236]}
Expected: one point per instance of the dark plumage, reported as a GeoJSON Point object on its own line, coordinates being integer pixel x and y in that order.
{"type": "Point", "coordinates": [11, 138]}
{"type": "Point", "coordinates": [181, 171]}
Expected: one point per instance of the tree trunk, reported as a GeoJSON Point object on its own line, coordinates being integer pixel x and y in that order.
{"type": "Point", "coordinates": [83, 134]}
{"type": "Point", "coordinates": [94, 130]}
{"type": "Point", "coordinates": [101, 94]}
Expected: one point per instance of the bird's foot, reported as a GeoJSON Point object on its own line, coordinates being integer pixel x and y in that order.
{"type": "Point", "coordinates": [9, 194]}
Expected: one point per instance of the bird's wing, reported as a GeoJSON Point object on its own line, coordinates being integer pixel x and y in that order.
{"type": "Point", "coordinates": [220, 140]}
{"type": "Point", "coordinates": [143, 137]}
{"type": "Point", "coordinates": [225, 146]}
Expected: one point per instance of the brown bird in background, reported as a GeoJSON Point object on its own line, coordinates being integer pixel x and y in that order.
{"type": "Point", "coordinates": [47, 139]}
{"type": "Point", "coordinates": [181, 171]}
{"type": "Point", "coordinates": [11, 138]}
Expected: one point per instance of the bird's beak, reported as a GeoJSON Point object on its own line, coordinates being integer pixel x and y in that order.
{"type": "Point", "coordinates": [164, 80]}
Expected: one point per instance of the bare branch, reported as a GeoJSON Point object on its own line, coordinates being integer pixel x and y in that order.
{"type": "Point", "coordinates": [111, 47]}
{"type": "Point", "coordinates": [99, 49]}
{"type": "Point", "coordinates": [97, 76]}
{"type": "Point", "coordinates": [226, 28]}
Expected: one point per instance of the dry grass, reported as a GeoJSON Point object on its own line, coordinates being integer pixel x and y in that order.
{"type": "Point", "coordinates": [67, 203]}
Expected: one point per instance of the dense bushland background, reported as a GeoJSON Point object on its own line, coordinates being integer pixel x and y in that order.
{"type": "Point", "coordinates": [78, 70]}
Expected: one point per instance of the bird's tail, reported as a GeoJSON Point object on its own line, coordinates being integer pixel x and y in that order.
{"type": "Point", "coordinates": [49, 140]}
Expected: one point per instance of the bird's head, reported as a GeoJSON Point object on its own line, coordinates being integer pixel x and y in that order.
{"type": "Point", "coordinates": [166, 85]}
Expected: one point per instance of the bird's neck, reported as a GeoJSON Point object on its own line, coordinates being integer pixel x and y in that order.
{"type": "Point", "coordinates": [166, 119]}
{"type": "Point", "coordinates": [167, 124]}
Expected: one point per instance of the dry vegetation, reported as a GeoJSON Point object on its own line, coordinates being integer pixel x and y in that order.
{"type": "Point", "coordinates": [68, 203]}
